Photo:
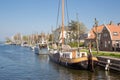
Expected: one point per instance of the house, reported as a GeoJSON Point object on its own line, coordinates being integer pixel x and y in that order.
{"type": "Point", "coordinates": [110, 38]}
{"type": "Point", "coordinates": [91, 37]}
{"type": "Point", "coordinates": [57, 35]}
{"type": "Point", "coordinates": [83, 37]}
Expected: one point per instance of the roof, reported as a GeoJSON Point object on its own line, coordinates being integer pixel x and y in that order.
{"type": "Point", "coordinates": [113, 28]}
{"type": "Point", "coordinates": [98, 29]}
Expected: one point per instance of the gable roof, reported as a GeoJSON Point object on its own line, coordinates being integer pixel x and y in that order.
{"type": "Point", "coordinates": [113, 28]}
{"type": "Point", "coordinates": [91, 34]}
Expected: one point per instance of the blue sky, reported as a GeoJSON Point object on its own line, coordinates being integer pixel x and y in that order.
{"type": "Point", "coordinates": [32, 16]}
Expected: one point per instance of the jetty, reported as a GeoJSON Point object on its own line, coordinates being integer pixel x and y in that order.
{"type": "Point", "coordinates": [109, 63]}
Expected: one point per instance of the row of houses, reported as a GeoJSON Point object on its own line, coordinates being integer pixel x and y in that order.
{"type": "Point", "coordinates": [108, 37]}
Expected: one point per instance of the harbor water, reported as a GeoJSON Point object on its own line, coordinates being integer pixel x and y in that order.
{"type": "Point", "coordinates": [20, 63]}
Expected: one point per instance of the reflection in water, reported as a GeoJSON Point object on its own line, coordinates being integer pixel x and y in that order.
{"type": "Point", "coordinates": [107, 75]}
{"type": "Point", "coordinates": [18, 63]}
{"type": "Point", "coordinates": [70, 74]}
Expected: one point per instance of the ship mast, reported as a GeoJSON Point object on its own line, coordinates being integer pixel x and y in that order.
{"type": "Point", "coordinates": [62, 22]}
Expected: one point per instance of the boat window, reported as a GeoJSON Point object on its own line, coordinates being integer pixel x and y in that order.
{"type": "Point", "coordinates": [78, 55]}
{"type": "Point", "coordinates": [66, 55]}
{"type": "Point", "coordinates": [83, 54]}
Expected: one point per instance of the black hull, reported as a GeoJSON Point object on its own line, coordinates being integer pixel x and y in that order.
{"type": "Point", "coordinates": [80, 65]}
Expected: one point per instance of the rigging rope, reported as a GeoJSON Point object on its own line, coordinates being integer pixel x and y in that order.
{"type": "Point", "coordinates": [58, 13]}
{"type": "Point", "coordinates": [67, 39]}
{"type": "Point", "coordinates": [67, 12]}
{"type": "Point", "coordinates": [66, 6]}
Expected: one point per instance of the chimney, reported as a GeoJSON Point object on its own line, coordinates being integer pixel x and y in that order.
{"type": "Point", "coordinates": [118, 24]}
{"type": "Point", "coordinates": [111, 22]}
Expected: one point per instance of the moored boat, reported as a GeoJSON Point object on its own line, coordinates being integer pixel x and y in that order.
{"type": "Point", "coordinates": [72, 58]}
{"type": "Point", "coordinates": [39, 47]}
{"type": "Point", "coordinates": [69, 57]}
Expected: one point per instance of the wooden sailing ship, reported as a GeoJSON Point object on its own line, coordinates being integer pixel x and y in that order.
{"type": "Point", "coordinates": [69, 57]}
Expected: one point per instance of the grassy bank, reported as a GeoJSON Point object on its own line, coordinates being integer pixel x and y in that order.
{"type": "Point", "coordinates": [104, 53]}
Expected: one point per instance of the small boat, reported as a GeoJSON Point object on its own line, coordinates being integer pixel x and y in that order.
{"type": "Point", "coordinates": [38, 48]}
{"type": "Point", "coordinates": [24, 44]}
{"type": "Point", "coordinates": [69, 57]}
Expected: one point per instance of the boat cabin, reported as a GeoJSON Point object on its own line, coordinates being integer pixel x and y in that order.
{"type": "Point", "coordinates": [73, 54]}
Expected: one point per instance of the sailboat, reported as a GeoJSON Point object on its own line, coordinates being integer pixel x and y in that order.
{"type": "Point", "coordinates": [69, 57]}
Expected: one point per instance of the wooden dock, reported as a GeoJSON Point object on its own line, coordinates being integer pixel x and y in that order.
{"type": "Point", "coordinates": [114, 63]}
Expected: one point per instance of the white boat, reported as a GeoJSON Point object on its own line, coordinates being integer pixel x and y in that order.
{"type": "Point", "coordinates": [40, 50]}
{"type": "Point", "coordinates": [37, 49]}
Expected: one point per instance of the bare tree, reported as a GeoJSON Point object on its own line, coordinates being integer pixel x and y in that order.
{"type": "Point", "coordinates": [96, 35]}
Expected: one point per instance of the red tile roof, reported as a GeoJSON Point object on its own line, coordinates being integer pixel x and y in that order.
{"type": "Point", "coordinates": [114, 29]}
{"type": "Point", "coordinates": [91, 33]}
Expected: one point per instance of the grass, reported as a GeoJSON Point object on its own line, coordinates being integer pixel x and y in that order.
{"type": "Point", "coordinates": [104, 53]}
{"type": "Point", "coordinates": [75, 44]}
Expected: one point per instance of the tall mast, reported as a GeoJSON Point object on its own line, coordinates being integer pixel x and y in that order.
{"type": "Point", "coordinates": [62, 22]}
{"type": "Point", "coordinates": [78, 27]}
{"type": "Point", "coordinates": [52, 35]}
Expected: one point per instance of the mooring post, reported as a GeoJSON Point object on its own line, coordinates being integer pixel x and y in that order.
{"type": "Point", "coordinates": [107, 65]}
{"type": "Point", "coordinates": [90, 61]}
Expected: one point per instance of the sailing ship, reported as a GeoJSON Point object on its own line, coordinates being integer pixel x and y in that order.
{"type": "Point", "coordinates": [69, 57]}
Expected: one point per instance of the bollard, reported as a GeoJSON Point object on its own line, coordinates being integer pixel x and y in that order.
{"type": "Point", "coordinates": [107, 65]}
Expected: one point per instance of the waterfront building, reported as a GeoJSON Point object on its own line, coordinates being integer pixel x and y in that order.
{"type": "Point", "coordinates": [91, 35]}
{"type": "Point", "coordinates": [108, 37]}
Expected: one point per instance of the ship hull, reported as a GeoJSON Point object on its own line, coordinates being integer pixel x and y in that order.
{"type": "Point", "coordinates": [81, 65]}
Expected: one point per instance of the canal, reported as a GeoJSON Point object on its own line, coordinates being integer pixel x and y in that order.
{"type": "Point", "coordinates": [20, 63]}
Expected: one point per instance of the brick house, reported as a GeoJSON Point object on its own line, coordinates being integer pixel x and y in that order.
{"type": "Point", "coordinates": [110, 38]}
{"type": "Point", "coordinates": [91, 35]}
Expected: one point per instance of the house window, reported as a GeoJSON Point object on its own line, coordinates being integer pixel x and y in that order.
{"type": "Point", "coordinates": [108, 42]}
{"type": "Point", "coordinates": [115, 34]}
{"type": "Point", "coordinates": [105, 44]}
{"type": "Point", "coordinates": [117, 44]}
{"type": "Point", "coordinates": [105, 34]}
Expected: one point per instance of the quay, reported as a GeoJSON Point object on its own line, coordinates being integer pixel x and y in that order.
{"type": "Point", "coordinates": [109, 63]}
